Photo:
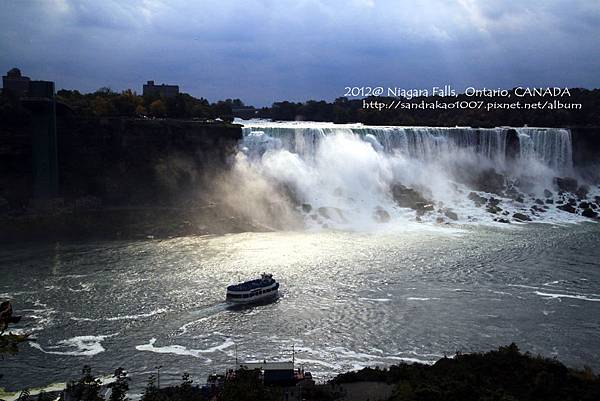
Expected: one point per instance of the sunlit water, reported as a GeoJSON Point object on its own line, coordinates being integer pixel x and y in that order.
{"type": "Point", "coordinates": [348, 300]}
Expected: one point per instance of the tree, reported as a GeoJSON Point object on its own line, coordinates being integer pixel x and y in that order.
{"type": "Point", "coordinates": [158, 108]}
{"type": "Point", "coordinates": [120, 386]}
{"type": "Point", "coordinates": [199, 111]}
{"type": "Point", "coordinates": [126, 103]}
{"type": "Point", "coordinates": [223, 111]}
{"type": "Point", "coordinates": [87, 388]}
{"type": "Point", "coordinates": [140, 110]}
{"type": "Point", "coordinates": [186, 382]}
{"type": "Point", "coordinates": [102, 107]}
{"type": "Point", "coordinates": [151, 392]}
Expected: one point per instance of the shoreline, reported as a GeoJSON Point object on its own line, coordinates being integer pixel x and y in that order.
{"type": "Point", "coordinates": [505, 370]}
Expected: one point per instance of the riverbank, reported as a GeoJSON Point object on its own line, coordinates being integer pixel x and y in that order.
{"type": "Point", "coordinates": [502, 374]}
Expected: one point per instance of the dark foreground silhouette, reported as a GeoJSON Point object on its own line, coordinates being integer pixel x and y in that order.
{"type": "Point", "coordinates": [505, 374]}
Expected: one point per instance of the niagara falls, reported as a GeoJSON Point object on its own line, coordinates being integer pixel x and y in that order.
{"type": "Point", "coordinates": [308, 200]}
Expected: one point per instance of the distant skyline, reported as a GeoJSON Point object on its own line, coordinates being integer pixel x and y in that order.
{"type": "Point", "coordinates": [263, 51]}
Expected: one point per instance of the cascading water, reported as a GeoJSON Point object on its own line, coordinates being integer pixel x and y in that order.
{"type": "Point", "coordinates": [345, 175]}
{"type": "Point", "coordinates": [425, 143]}
{"type": "Point", "coordinates": [550, 146]}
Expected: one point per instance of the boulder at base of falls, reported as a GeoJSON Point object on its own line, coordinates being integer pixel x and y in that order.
{"type": "Point", "coordinates": [493, 209]}
{"type": "Point", "coordinates": [515, 195]}
{"type": "Point", "coordinates": [539, 201]}
{"type": "Point", "coordinates": [490, 181]}
{"type": "Point", "coordinates": [501, 220]}
{"type": "Point", "coordinates": [332, 213]}
{"type": "Point", "coordinates": [588, 212]}
{"type": "Point", "coordinates": [567, 207]}
{"type": "Point", "coordinates": [306, 207]}
{"type": "Point", "coordinates": [381, 215]}
{"type": "Point", "coordinates": [494, 201]}
{"type": "Point", "coordinates": [521, 217]}
{"type": "Point", "coordinates": [582, 192]}
{"type": "Point", "coordinates": [450, 214]}
{"type": "Point", "coordinates": [525, 183]}
{"type": "Point", "coordinates": [566, 184]}
{"type": "Point", "coordinates": [492, 205]}
{"type": "Point", "coordinates": [477, 199]}
{"type": "Point", "coordinates": [422, 208]}
{"type": "Point", "coordinates": [547, 194]}
{"type": "Point", "coordinates": [549, 201]}
{"type": "Point", "coordinates": [584, 205]}
{"type": "Point", "coordinates": [408, 197]}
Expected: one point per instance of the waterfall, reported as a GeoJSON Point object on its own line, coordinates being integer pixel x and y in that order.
{"type": "Point", "coordinates": [549, 146]}
{"type": "Point", "coordinates": [352, 174]}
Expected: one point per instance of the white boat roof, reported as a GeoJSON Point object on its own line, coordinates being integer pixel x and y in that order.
{"type": "Point", "coordinates": [268, 365]}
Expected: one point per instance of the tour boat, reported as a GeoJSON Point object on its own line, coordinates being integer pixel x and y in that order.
{"type": "Point", "coordinates": [264, 288]}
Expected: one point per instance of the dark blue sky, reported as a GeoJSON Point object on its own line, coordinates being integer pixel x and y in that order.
{"type": "Point", "coordinates": [268, 50]}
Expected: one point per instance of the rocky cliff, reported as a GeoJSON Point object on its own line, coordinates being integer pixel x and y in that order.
{"type": "Point", "coordinates": [119, 178]}
{"type": "Point", "coordinates": [586, 151]}
{"type": "Point", "coordinates": [120, 161]}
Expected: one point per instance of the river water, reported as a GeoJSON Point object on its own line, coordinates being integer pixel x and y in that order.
{"type": "Point", "coordinates": [349, 299]}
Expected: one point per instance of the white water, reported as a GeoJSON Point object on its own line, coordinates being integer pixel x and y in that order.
{"type": "Point", "coordinates": [348, 170]}
{"type": "Point", "coordinates": [548, 146]}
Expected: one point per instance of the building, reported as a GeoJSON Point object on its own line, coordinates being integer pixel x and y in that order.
{"type": "Point", "coordinates": [16, 83]}
{"type": "Point", "coordinates": [274, 373]}
{"type": "Point", "coordinates": [161, 90]}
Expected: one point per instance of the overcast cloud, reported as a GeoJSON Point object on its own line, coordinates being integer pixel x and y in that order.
{"type": "Point", "coordinates": [268, 50]}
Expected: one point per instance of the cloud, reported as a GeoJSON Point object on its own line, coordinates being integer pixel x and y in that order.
{"type": "Point", "coordinates": [267, 50]}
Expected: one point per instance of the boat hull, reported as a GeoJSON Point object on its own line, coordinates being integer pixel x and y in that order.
{"type": "Point", "coordinates": [253, 299]}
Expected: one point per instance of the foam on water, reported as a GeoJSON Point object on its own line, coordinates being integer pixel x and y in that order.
{"type": "Point", "coordinates": [123, 317]}
{"type": "Point", "coordinates": [76, 346]}
{"type": "Point", "coordinates": [375, 299]}
{"type": "Point", "coordinates": [329, 361]}
{"type": "Point", "coordinates": [570, 296]}
{"type": "Point", "coordinates": [184, 351]}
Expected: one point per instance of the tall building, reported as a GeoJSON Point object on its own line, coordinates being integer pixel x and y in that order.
{"type": "Point", "coordinates": [16, 83]}
{"type": "Point", "coordinates": [162, 90]}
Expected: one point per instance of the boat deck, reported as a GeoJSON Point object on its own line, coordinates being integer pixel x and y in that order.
{"type": "Point", "coordinates": [250, 285]}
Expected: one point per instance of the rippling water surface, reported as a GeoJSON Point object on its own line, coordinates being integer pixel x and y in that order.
{"type": "Point", "coordinates": [348, 300]}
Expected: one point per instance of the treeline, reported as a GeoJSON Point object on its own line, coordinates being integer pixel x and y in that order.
{"type": "Point", "coordinates": [12, 111]}
{"type": "Point", "coordinates": [344, 110]}
{"type": "Point", "coordinates": [247, 386]}
{"type": "Point", "coordinates": [107, 103]}
{"type": "Point", "coordinates": [502, 375]}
